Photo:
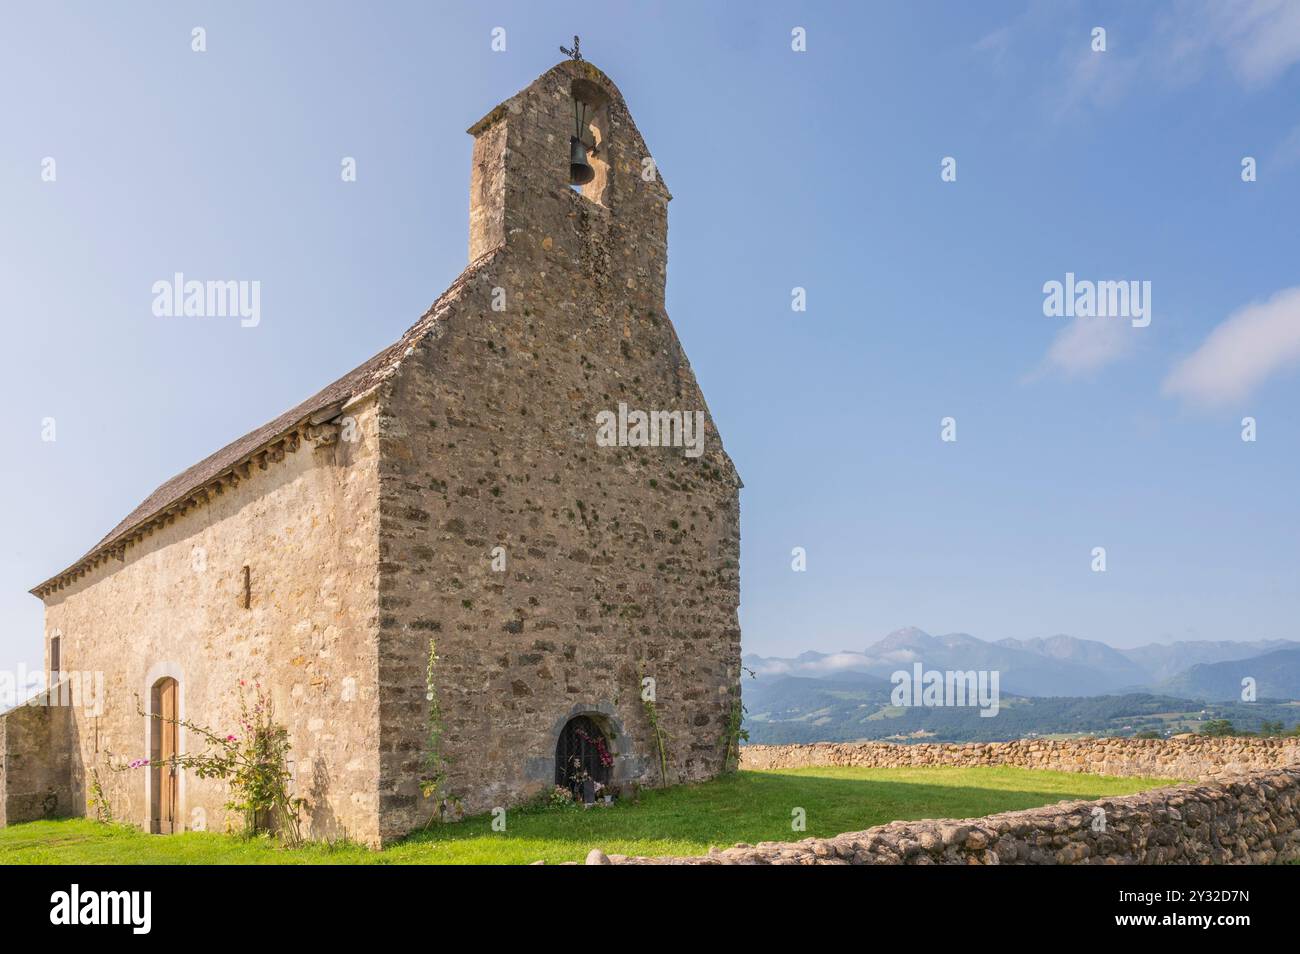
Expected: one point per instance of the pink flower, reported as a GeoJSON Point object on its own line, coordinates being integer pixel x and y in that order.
{"type": "Point", "coordinates": [231, 738]}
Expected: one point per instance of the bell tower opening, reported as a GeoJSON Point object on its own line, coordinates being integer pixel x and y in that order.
{"type": "Point", "coordinates": [588, 141]}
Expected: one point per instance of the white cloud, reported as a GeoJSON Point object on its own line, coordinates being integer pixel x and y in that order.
{"type": "Point", "coordinates": [1255, 41]}
{"type": "Point", "coordinates": [995, 44]}
{"type": "Point", "coordinates": [1260, 39]}
{"type": "Point", "coordinates": [1094, 79]}
{"type": "Point", "coordinates": [1252, 344]}
{"type": "Point", "coordinates": [1086, 345]}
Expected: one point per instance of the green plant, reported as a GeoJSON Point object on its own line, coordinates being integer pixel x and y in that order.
{"type": "Point", "coordinates": [560, 797]}
{"type": "Point", "coordinates": [652, 715]}
{"type": "Point", "coordinates": [433, 782]}
{"type": "Point", "coordinates": [255, 765]}
{"type": "Point", "coordinates": [98, 801]}
{"type": "Point", "coordinates": [733, 735]}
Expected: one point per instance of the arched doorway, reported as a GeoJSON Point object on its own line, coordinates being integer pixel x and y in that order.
{"type": "Point", "coordinates": [582, 755]}
{"type": "Point", "coordinates": [164, 734]}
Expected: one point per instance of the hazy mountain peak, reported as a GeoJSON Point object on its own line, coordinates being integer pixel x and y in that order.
{"type": "Point", "coordinates": [909, 637]}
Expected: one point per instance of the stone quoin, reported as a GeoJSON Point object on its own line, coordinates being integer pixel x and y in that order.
{"type": "Point", "coordinates": [448, 492]}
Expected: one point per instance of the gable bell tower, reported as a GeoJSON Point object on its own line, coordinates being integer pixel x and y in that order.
{"type": "Point", "coordinates": [521, 189]}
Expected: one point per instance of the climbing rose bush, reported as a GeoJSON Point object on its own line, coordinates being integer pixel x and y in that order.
{"type": "Point", "coordinates": [254, 762]}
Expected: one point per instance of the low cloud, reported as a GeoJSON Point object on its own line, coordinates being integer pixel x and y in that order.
{"type": "Point", "coordinates": [1252, 344]}
{"type": "Point", "coordinates": [1087, 345]}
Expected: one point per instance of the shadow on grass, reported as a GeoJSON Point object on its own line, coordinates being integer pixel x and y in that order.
{"type": "Point", "coordinates": [746, 807]}
{"type": "Point", "coordinates": [760, 806]}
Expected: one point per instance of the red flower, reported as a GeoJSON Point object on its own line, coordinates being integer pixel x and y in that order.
{"type": "Point", "coordinates": [598, 744]}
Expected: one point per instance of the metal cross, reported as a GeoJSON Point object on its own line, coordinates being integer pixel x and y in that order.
{"type": "Point", "coordinates": [576, 52]}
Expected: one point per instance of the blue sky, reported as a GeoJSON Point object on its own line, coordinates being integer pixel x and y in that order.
{"type": "Point", "coordinates": [818, 169]}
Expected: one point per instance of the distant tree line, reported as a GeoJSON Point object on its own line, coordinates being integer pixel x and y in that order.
{"type": "Point", "coordinates": [1221, 727]}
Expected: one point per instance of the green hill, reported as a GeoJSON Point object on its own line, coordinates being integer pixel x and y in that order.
{"type": "Point", "coordinates": [796, 709]}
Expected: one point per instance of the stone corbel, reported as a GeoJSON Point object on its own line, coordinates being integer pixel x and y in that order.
{"type": "Point", "coordinates": [322, 435]}
{"type": "Point", "coordinates": [323, 427]}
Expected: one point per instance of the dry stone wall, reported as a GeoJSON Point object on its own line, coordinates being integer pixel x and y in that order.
{"type": "Point", "coordinates": [1245, 809]}
{"type": "Point", "coordinates": [1247, 819]}
{"type": "Point", "coordinates": [1183, 757]}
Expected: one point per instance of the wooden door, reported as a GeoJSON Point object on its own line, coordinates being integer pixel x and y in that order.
{"type": "Point", "coordinates": [166, 776]}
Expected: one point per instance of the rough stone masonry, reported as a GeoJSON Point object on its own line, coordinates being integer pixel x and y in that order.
{"type": "Point", "coordinates": [1252, 818]}
{"type": "Point", "coordinates": [1244, 808]}
{"type": "Point", "coordinates": [1182, 756]}
{"type": "Point", "coordinates": [449, 495]}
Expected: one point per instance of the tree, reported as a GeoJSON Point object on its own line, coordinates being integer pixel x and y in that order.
{"type": "Point", "coordinates": [1218, 727]}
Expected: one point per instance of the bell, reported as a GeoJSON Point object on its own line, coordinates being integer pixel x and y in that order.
{"type": "Point", "coordinates": [580, 171]}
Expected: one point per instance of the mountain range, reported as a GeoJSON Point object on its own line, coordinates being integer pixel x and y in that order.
{"type": "Point", "coordinates": [1065, 665]}
{"type": "Point", "coordinates": [1048, 685]}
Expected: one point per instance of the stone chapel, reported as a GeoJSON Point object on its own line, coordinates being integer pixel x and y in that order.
{"type": "Point", "coordinates": [507, 506]}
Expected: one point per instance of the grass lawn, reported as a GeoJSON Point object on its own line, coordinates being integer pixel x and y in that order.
{"type": "Point", "coordinates": [747, 806]}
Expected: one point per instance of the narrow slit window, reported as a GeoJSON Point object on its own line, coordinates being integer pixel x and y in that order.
{"type": "Point", "coordinates": [247, 598]}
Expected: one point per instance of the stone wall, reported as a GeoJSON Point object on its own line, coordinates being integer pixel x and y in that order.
{"type": "Point", "coordinates": [1246, 819]}
{"type": "Point", "coordinates": [306, 526]}
{"type": "Point", "coordinates": [619, 562]}
{"type": "Point", "coordinates": [1245, 811]}
{"type": "Point", "coordinates": [1184, 757]}
{"type": "Point", "coordinates": [35, 763]}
